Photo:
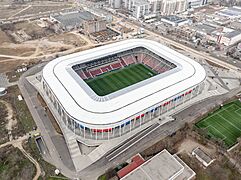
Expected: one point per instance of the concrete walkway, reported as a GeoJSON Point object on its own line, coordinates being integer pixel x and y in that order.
{"type": "Point", "coordinates": [29, 93]}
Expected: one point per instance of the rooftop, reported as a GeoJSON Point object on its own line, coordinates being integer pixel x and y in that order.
{"type": "Point", "coordinates": [141, 2]}
{"type": "Point", "coordinates": [162, 166]}
{"type": "Point", "coordinates": [232, 34]}
{"type": "Point", "coordinates": [206, 28]}
{"type": "Point", "coordinates": [232, 12]}
{"type": "Point", "coordinates": [201, 154]}
{"type": "Point", "coordinates": [136, 162]}
{"type": "Point", "coordinates": [68, 86]}
{"type": "Point", "coordinates": [174, 18]}
{"type": "Point", "coordinates": [74, 18]}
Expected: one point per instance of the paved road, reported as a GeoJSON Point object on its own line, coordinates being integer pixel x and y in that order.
{"type": "Point", "coordinates": [58, 147]}
{"type": "Point", "coordinates": [219, 78]}
{"type": "Point", "coordinates": [131, 142]}
{"type": "Point", "coordinates": [59, 154]}
{"type": "Point", "coordinates": [188, 115]}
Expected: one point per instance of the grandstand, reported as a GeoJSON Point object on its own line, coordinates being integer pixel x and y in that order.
{"type": "Point", "coordinates": [118, 71]}
{"type": "Point", "coordinates": [106, 92]}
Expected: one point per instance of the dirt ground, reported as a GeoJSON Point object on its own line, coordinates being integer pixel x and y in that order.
{"type": "Point", "coordinates": [68, 38]}
{"type": "Point", "coordinates": [24, 31]}
{"type": "Point", "coordinates": [20, 112]}
{"type": "Point", "coordinates": [4, 38]}
{"type": "Point", "coordinates": [47, 169]}
{"type": "Point", "coordinates": [6, 66]}
{"type": "Point", "coordinates": [220, 169]}
{"type": "Point", "coordinates": [189, 144]}
{"type": "Point", "coordinates": [10, 120]}
{"type": "Point", "coordinates": [35, 48]}
{"type": "Point", "coordinates": [171, 143]}
{"type": "Point", "coordinates": [36, 9]}
{"type": "Point", "coordinates": [14, 165]}
{"type": "Point", "coordinates": [9, 11]}
{"type": "Point", "coordinates": [16, 50]}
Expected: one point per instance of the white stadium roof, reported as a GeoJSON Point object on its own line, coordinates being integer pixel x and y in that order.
{"type": "Point", "coordinates": [81, 106]}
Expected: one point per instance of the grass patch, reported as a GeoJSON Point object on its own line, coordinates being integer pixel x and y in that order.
{"type": "Point", "coordinates": [56, 178]}
{"type": "Point", "coordinates": [223, 124]}
{"type": "Point", "coordinates": [21, 111]}
{"type": "Point", "coordinates": [47, 168]}
{"type": "Point", "coordinates": [115, 80]}
{"type": "Point", "coordinates": [13, 76]}
{"type": "Point", "coordinates": [24, 116]}
{"type": "Point", "coordinates": [3, 121]}
{"type": "Point", "coordinates": [14, 165]}
{"type": "Point", "coordinates": [102, 177]}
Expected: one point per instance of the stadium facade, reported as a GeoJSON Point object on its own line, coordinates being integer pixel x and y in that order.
{"type": "Point", "coordinates": [116, 103]}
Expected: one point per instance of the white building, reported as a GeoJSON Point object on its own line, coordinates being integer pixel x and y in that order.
{"type": "Point", "coordinates": [138, 8]}
{"type": "Point", "coordinates": [231, 38]}
{"type": "Point", "coordinates": [116, 4]}
{"type": "Point", "coordinates": [203, 157]}
{"type": "Point", "coordinates": [174, 20]}
{"type": "Point", "coordinates": [155, 6]}
{"type": "Point", "coordinates": [103, 117]}
{"type": "Point", "coordinates": [169, 7]}
{"type": "Point", "coordinates": [196, 3]}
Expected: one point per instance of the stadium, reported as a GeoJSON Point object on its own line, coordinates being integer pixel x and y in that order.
{"type": "Point", "coordinates": [106, 92]}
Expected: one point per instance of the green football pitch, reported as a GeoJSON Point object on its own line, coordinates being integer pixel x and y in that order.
{"type": "Point", "coordinates": [224, 124]}
{"type": "Point", "coordinates": [118, 79]}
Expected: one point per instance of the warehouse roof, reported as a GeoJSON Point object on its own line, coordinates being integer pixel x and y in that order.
{"type": "Point", "coordinates": [162, 166]}
{"type": "Point", "coordinates": [232, 34]}
{"type": "Point", "coordinates": [173, 18]}
{"type": "Point", "coordinates": [74, 18]}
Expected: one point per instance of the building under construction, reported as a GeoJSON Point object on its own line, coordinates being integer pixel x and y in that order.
{"type": "Point", "coordinates": [94, 26]}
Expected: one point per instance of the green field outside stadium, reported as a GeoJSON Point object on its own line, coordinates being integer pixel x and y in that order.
{"type": "Point", "coordinates": [115, 80]}
{"type": "Point", "coordinates": [224, 124]}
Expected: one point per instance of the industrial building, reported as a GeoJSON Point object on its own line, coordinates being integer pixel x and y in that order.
{"type": "Point", "coordinates": [218, 34]}
{"type": "Point", "coordinates": [231, 12]}
{"type": "Point", "coordinates": [94, 26]}
{"type": "Point", "coordinates": [162, 166]}
{"type": "Point", "coordinates": [196, 3]}
{"type": "Point", "coordinates": [77, 19]}
{"type": "Point", "coordinates": [203, 157]}
{"type": "Point", "coordinates": [231, 38]}
{"type": "Point", "coordinates": [173, 20]}
{"type": "Point", "coordinates": [170, 7]}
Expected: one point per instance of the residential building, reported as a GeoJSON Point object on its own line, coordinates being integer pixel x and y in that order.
{"type": "Point", "coordinates": [169, 7]}
{"type": "Point", "coordinates": [196, 3]}
{"type": "Point", "coordinates": [138, 8]}
{"type": "Point", "coordinates": [116, 4]}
